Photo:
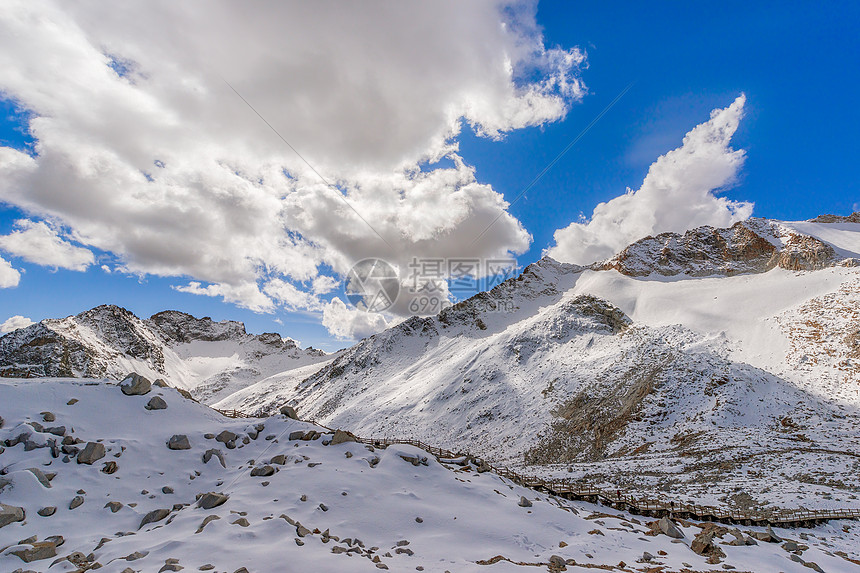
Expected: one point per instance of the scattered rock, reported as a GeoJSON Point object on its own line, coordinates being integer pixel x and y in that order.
{"type": "Point", "coordinates": [289, 412]}
{"type": "Point", "coordinates": [207, 455]}
{"type": "Point", "coordinates": [154, 516]}
{"type": "Point", "coordinates": [40, 476]}
{"type": "Point", "coordinates": [47, 511]}
{"type": "Point", "coordinates": [262, 471]}
{"type": "Point", "coordinates": [341, 437]}
{"type": "Point", "coordinates": [156, 403]}
{"type": "Point", "coordinates": [280, 460]}
{"type": "Point", "coordinates": [136, 555]}
{"type": "Point", "coordinates": [241, 522]}
{"type": "Point", "coordinates": [302, 531]}
{"type": "Point", "coordinates": [135, 385]}
{"type": "Point", "coordinates": [179, 442]}
{"type": "Point", "coordinates": [767, 535]}
{"type": "Point", "coordinates": [110, 467]}
{"type": "Point", "coordinates": [77, 501]}
{"type": "Point", "coordinates": [72, 402]}
{"type": "Point", "coordinates": [668, 527]}
{"type": "Point", "coordinates": [46, 417]}
{"type": "Point", "coordinates": [36, 551]}
{"type": "Point", "coordinates": [159, 382]}
{"type": "Point", "coordinates": [226, 436]}
{"type": "Point", "coordinates": [92, 452]}
{"type": "Point", "coordinates": [114, 506]}
{"type": "Point", "coordinates": [212, 499]}
{"type": "Point", "coordinates": [206, 521]}
{"type": "Point", "coordinates": [167, 490]}
{"type": "Point", "coordinates": [10, 514]}
{"type": "Point", "coordinates": [524, 502]}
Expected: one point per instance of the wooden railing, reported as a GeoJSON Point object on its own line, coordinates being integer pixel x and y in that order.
{"type": "Point", "coordinates": [569, 489]}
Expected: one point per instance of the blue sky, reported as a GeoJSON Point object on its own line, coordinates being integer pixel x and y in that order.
{"type": "Point", "coordinates": [796, 62]}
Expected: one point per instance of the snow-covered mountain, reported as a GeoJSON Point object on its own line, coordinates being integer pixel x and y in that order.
{"type": "Point", "coordinates": [210, 359]}
{"type": "Point", "coordinates": [705, 358]}
{"type": "Point", "coordinates": [721, 363]}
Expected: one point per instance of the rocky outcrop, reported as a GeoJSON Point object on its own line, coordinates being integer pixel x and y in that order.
{"type": "Point", "coordinates": [852, 218]}
{"type": "Point", "coordinates": [753, 246]}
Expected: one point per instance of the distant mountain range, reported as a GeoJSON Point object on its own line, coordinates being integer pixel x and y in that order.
{"type": "Point", "coordinates": [680, 360]}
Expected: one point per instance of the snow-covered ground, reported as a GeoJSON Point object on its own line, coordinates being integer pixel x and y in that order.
{"type": "Point", "coordinates": [362, 508]}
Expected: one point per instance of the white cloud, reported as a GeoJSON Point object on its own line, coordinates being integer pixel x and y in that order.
{"type": "Point", "coordinates": [347, 322]}
{"type": "Point", "coordinates": [14, 323]}
{"type": "Point", "coordinates": [245, 294]}
{"type": "Point", "coordinates": [9, 277]}
{"type": "Point", "coordinates": [679, 193]}
{"type": "Point", "coordinates": [165, 167]}
{"type": "Point", "coordinates": [38, 243]}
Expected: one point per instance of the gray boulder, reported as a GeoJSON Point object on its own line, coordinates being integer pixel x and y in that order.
{"type": "Point", "coordinates": [262, 471]}
{"type": "Point", "coordinates": [524, 502]}
{"type": "Point", "coordinates": [43, 479]}
{"type": "Point", "coordinates": [10, 514]}
{"type": "Point", "coordinates": [208, 454]}
{"type": "Point", "coordinates": [92, 452]}
{"type": "Point", "coordinates": [135, 385]}
{"type": "Point", "coordinates": [154, 516]}
{"type": "Point", "coordinates": [212, 499]}
{"type": "Point", "coordinates": [226, 436]}
{"type": "Point", "coordinates": [77, 501]}
{"type": "Point", "coordinates": [47, 511]}
{"type": "Point", "coordinates": [179, 442]}
{"type": "Point", "coordinates": [668, 527]}
{"type": "Point", "coordinates": [289, 412]}
{"type": "Point", "coordinates": [156, 403]}
{"type": "Point", "coordinates": [114, 506]}
{"type": "Point", "coordinates": [341, 437]}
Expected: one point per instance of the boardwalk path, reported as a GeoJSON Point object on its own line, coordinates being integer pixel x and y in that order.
{"type": "Point", "coordinates": [571, 490]}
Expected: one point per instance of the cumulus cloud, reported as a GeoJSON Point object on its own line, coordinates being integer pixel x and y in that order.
{"type": "Point", "coordinates": [347, 322]}
{"type": "Point", "coordinates": [38, 243]}
{"type": "Point", "coordinates": [14, 323]}
{"type": "Point", "coordinates": [143, 151]}
{"type": "Point", "coordinates": [678, 193]}
{"type": "Point", "coordinates": [9, 277]}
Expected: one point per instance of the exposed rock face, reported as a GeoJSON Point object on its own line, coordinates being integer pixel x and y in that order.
{"type": "Point", "coordinates": [752, 246]}
{"type": "Point", "coordinates": [100, 342]}
{"type": "Point", "coordinates": [852, 218]}
{"type": "Point", "coordinates": [57, 347]}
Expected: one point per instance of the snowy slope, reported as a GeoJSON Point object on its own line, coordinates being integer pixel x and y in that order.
{"type": "Point", "coordinates": [705, 381]}
{"type": "Point", "coordinates": [210, 359]}
{"type": "Point", "coordinates": [356, 503]}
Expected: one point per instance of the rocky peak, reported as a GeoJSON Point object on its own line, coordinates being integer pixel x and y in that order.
{"type": "Point", "coordinates": [179, 326]}
{"type": "Point", "coordinates": [852, 218]}
{"type": "Point", "coordinates": [752, 246]}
